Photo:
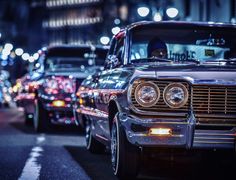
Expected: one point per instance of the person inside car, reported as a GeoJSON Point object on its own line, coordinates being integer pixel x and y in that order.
{"type": "Point", "coordinates": [157, 49]}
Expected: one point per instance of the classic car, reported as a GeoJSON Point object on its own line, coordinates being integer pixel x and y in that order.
{"type": "Point", "coordinates": [26, 87]}
{"type": "Point", "coordinates": [64, 69]}
{"type": "Point", "coordinates": [164, 85]}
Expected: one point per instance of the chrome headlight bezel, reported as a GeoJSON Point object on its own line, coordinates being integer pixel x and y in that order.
{"type": "Point", "coordinates": [175, 85]}
{"type": "Point", "coordinates": [137, 94]}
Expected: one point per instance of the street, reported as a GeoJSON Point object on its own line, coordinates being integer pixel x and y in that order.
{"type": "Point", "coordinates": [61, 154]}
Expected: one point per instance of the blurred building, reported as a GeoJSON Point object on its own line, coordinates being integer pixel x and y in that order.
{"type": "Point", "coordinates": [73, 21]}
{"type": "Point", "coordinates": [32, 24]}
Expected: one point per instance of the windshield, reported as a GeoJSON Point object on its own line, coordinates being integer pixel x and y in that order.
{"type": "Point", "coordinates": [87, 62]}
{"type": "Point", "coordinates": [182, 44]}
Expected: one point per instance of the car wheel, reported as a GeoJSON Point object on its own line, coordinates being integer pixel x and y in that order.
{"type": "Point", "coordinates": [41, 120]}
{"type": "Point", "coordinates": [124, 156]}
{"type": "Point", "coordinates": [92, 144]}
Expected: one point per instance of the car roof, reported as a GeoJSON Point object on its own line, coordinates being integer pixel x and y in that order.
{"type": "Point", "coordinates": [73, 50]}
{"type": "Point", "coordinates": [75, 47]}
{"type": "Point", "coordinates": [181, 24]}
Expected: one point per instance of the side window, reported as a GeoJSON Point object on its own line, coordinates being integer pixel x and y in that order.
{"type": "Point", "coordinates": [115, 54]}
{"type": "Point", "coordinates": [119, 49]}
{"type": "Point", "coordinates": [110, 54]}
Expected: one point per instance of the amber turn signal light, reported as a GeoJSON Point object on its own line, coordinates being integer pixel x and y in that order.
{"type": "Point", "coordinates": [160, 131]}
{"type": "Point", "coordinates": [58, 103]}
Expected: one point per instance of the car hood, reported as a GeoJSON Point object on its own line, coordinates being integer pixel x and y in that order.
{"type": "Point", "coordinates": [196, 74]}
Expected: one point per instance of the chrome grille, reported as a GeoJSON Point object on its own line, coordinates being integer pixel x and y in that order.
{"type": "Point", "coordinates": [214, 104]}
{"type": "Point", "coordinates": [160, 105]}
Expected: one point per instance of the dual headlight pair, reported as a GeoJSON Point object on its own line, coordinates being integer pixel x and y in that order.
{"type": "Point", "coordinates": [175, 95]}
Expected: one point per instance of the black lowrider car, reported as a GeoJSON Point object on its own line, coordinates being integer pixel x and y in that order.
{"type": "Point", "coordinates": [64, 68]}
{"type": "Point", "coordinates": [165, 85]}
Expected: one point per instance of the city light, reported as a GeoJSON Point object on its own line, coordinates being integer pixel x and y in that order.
{"type": "Point", "coordinates": [6, 52]}
{"type": "Point", "coordinates": [115, 30]}
{"type": "Point", "coordinates": [117, 21]}
{"type": "Point", "coordinates": [36, 56]}
{"type": "Point", "coordinates": [37, 65]}
{"type": "Point", "coordinates": [8, 46]}
{"type": "Point", "coordinates": [25, 56]}
{"type": "Point", "coordinates": [31, 59]}
{"type": "Point", "coordinates": [4, 63]}
{"type": "Point", "coordinates": [157, 17]}
{"type": "Point", "coordinates": [4, 57]}
{"type": "Point", "coordinates": [143, 11]}
{"type": "Point", "coordinates": [172, 12]}
{"type": "Point", "coordinates": [19, 51]}
{"type": "Point", "coordinates": [104, 40]}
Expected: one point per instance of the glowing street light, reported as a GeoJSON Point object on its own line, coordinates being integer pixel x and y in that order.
{"type": "Point", "coordinates": [172, 12]}
{"type": "Point", "coordinates": [115, 30]}
{"type": "Point", "coordinates": [19, 51]}
{"type": "Point", "coordinates": [37, 65]}
{"type": "Point", "coordinates": [31, 59]}
{"type": "Point", "coordinates": [25, 56]}
{"type": "Point", "coordinates": [6, 51]}
{"type": "Point", "coordinates": [8, 46]}
{"type": "Point", "coordinates": [36, 56]}
{"type": "Point", "coordinates": [117, 21]}
{"type": "Point", "coordinates": [4, 57]}
{"type": "Point", "coordinates": [104, 40]}
{"type": "Point", "coordinates": [143, 11]}
{"type": "Point", "coordinates": [157, 17]}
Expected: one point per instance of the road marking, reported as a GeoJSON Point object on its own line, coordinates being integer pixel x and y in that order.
{"type": "Point", "coordinates": [32, 168]}
{"type": "Point", "coordinates": [40, 139]}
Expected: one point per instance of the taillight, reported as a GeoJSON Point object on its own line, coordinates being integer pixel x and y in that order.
{"type": "Point", "coordinates": [54, 85]}
{"type": "Point", "coordinates": [31, 86]}
{"type": "Point", "coordinates": [68, 85]}
{"type": "Point", "coordinates": [51, 91]}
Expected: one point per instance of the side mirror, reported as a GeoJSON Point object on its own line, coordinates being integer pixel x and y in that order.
{"type": "Point", "coordinates": [114, 61]}
{"type": "Point", "coordinates": [96, 77]}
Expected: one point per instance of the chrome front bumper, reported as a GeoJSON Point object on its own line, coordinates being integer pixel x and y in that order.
{"type": "Point", "coordinates": [184, 134]}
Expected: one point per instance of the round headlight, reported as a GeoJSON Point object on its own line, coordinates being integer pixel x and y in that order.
{"type": "Point", "coordinates": [147, 94]}
{"type": "Point", "coordinates": [175, 95]}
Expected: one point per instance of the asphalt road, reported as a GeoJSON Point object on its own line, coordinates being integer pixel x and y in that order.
{"type": "Point", "coordinates": [61, 154]}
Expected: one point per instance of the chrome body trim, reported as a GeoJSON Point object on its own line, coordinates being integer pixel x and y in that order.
{"type": "Point", "coordinates": [184, 135]}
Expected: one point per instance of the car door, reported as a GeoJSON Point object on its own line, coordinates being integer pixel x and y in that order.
{"type": "Point", "coordinates": [107, 85]}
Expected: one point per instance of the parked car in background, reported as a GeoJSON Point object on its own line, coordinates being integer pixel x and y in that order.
{"type": "Point", "coordinates": [165, 85]}
{"type": "Point", "coordinates": [27, 85]}
{"type": "Point", "coordinates": [65, 67]}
